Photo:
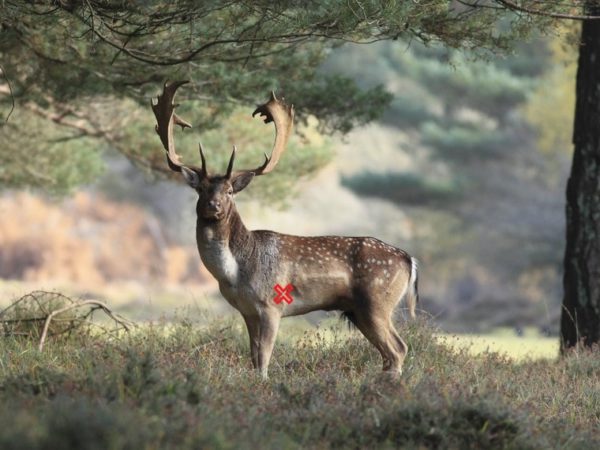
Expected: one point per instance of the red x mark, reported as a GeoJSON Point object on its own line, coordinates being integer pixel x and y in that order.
{"type": "Point", "coordinates": [283, 294]}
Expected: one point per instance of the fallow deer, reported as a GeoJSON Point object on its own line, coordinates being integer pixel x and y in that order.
{"type": "Point", "coordinates": [361, 276]}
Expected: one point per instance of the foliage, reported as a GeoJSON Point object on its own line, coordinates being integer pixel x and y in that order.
{"type": "Point", "coordinates": [462, 83]}
{"type": "Point", "coordinates": [460, 117]}
{"type": "Point", "coordinates": [462, 142]}
{"type": "Point", "coordinates": [188, 387]}
{"type": "Point", "coordinates": [405, 188]}
{"type": "Point", "coordinates": [36, 153]}
{"type": "Point", "coordinates": [551, 105]}
{"type": "Point", "coordinates": [58, 59]}
{"type": "Point", "coordinates": [460, 108]}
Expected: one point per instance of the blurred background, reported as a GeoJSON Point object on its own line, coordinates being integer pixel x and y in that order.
{"type": "Point", "coordinates": [465, 169]}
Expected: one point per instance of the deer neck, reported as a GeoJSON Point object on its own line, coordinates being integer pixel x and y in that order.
{"type": "Point", "coordinates": [223, 245]}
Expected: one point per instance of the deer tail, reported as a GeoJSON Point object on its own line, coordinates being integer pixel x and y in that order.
{"type": "Point", "coordinates": [350, 319]}
{"type": "Point", "coordinates": [412, 293]}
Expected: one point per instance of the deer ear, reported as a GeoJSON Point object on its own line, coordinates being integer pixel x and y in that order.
{"type": "Point", "coordinates": [191, 177]}
{"type": "Point", "coordinates": [241, 181]}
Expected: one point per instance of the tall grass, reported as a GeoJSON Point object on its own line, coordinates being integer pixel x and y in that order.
{"type": "Point", "coordinates": [186, 386]}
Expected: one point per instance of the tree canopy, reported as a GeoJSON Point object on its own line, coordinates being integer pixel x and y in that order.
{"type": "Point", "coordinates": [80, 69]}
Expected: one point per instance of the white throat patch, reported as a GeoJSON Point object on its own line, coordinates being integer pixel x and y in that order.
{"type": "Point", "coordinates": [219, 260]}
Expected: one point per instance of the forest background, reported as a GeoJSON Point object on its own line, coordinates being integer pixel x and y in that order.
{"type": "Point", "coordinates": [465, 169]}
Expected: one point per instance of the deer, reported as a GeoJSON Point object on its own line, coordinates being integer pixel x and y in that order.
{"type": "Point", "coordinates": [362, 277]}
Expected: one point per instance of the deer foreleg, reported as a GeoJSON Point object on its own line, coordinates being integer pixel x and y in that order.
{"type": "Point", "coordinates": [253, 325]}
{"type": "Point", "coordinates": [269, 325]}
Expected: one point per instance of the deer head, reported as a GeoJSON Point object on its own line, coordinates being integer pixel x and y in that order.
{"type": "Point", "coordinates": [215, 192]}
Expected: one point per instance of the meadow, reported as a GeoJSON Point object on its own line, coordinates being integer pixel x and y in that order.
{"type": "Point", "coordinates": [188, 384]}
{"type": "Point", "coordinates": [531, 345]}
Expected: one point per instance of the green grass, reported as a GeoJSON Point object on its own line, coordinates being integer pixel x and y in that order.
{"type": "Point", "coordinates": [519, 348]}
{"type": "Point", "coordinates": [187, 386]}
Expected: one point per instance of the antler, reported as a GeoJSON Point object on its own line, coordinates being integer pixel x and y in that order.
{"type": "Point", "coordinates": [275, 110]}
{"type": "Point", "coordinates": [282, 115]}
{"type": "Point", "coordinates": [165, 119]}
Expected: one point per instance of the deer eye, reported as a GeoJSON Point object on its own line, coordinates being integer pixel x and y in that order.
{"type": "Point", "coordinates": [230, 192]}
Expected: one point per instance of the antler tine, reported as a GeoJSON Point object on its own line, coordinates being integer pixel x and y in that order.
{"type": "Point", "coordinates": [204, 169]}
{"type": "Point", "coordinates": [282, 115]}
{"type": "Point", "coordinates": [230, 165]}
{"type": "Point", "coordinates": [165, 119]}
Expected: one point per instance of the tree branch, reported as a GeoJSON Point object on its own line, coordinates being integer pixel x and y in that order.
{"type": "Point", "coordinates": [512, 6]}
{"type": "Point", "coordinates": [8, 91]}
{"type": "Point", "coordinates": [125, 323]}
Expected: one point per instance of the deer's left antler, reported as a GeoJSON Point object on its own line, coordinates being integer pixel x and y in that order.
{"type": "Point", "coordinates": [282, 115]}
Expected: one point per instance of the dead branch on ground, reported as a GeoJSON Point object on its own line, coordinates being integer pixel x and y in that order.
{"type": "Point", "coordinates": [43, 314]}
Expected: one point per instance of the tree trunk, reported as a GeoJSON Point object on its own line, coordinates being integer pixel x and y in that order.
{"type": "Point", "coordinates": [580, 321]}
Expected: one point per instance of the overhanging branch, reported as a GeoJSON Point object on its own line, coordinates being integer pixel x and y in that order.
{"type": "Point", "coordinates": [518, 7]}
{"type": "Point", "coordinates": [8, 90]}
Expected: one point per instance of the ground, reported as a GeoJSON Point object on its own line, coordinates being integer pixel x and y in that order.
{"type": "Point", "coordinates": [188, 384]}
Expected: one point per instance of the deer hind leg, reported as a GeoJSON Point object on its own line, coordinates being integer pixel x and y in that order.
{"type": "Point", "coordinates": [400, 344]}
{"type": "Point", "coordinates": [269, 325]}
{"type": "Point", "coordinates": [381, 333]}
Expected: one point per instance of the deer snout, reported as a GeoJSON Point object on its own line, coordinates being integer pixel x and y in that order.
{"type": "Point", "coordinates": [214, 205]}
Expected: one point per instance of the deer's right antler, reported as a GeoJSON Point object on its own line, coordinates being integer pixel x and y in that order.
{"type": "Point", "coordinates": [164, 111]}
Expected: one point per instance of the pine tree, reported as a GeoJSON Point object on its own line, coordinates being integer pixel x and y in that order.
{"type": "Point", "coordinates": [64, 61]}
{"type": "Point", "coordinates": [580, 321]}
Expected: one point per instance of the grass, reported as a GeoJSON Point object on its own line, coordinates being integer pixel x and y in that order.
{"type": "Point", "coordinates": [530, 346]}
{"type": "Point", "coordinates": [187, 386]}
